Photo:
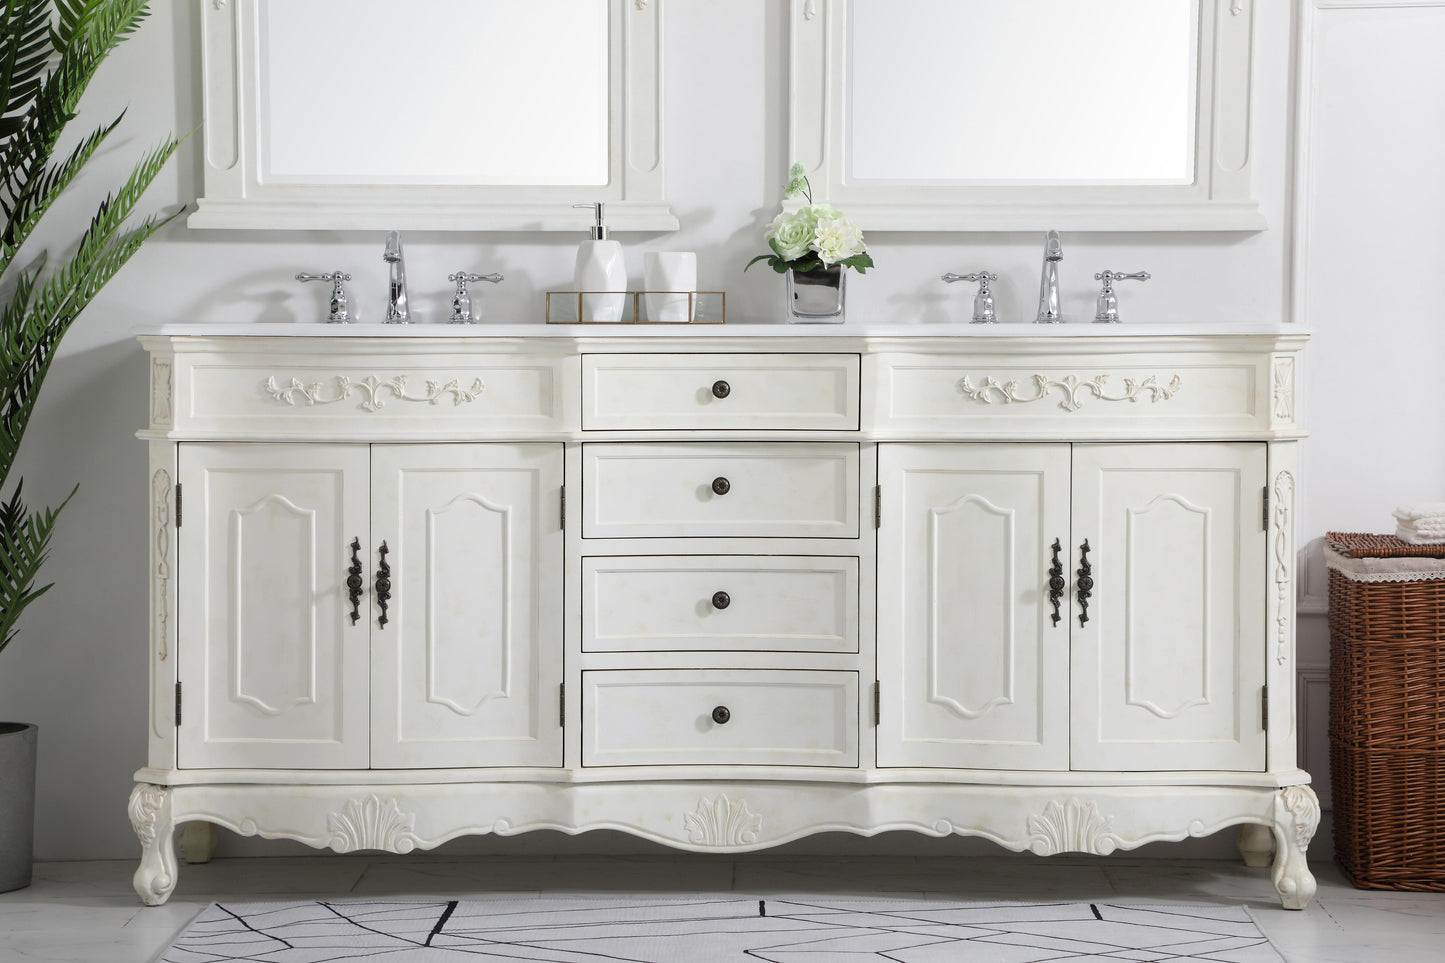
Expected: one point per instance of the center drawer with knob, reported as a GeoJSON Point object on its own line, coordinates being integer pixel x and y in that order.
{"type": "Point", "coordinates": [632, 392]}
{"type": "Point", "coordinates": [737, 717]}
{"type": "Point", "coordinates": [720, 489]}
{"type": "Point", "coordinates": [720, 603]}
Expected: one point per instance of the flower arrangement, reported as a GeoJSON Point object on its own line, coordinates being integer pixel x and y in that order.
{"type": "Point", "coordinates": [814, 236]}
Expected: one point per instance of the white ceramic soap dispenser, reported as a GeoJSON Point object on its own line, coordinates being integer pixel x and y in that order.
{"type": "Point", "coordinates": [600, 268]}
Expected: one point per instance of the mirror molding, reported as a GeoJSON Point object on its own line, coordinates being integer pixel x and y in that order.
{"type": "Point", "coordinates": [1220, 199]}
{"type": "Point", "coordinates": [235, 197]}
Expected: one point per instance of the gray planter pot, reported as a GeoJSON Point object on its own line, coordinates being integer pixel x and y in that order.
{"type": "Point", "coordinates": [17, 804]}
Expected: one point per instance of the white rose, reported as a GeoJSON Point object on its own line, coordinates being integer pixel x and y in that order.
{"type": "Point", "coordinates": [837, 239]}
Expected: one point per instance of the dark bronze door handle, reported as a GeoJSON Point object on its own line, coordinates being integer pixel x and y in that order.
{"type": "Point", "coordinates": [383, 585]}
{"type": "Point", "coordinates": [1056, 581]}
{"type": "Point", "coordinates": [1085, 583]}
{"type": "Point", "coordinates": [353, 580]}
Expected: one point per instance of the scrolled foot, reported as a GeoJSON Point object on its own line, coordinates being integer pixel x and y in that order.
{"type": "Point", "coordinates": [1256, 844]}
{"type": "Point", "coordinates": [150, 815]}
{"type": "Point", "coordinates": [1296, 817]}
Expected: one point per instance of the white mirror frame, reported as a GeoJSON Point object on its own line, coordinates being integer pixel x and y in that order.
{"type": "Point", "coordinates": [1220, 199]}
{"type": "Point", "coordinates": [236, 197]}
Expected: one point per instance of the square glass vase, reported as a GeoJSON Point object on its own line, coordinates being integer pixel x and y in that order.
{"type": "Point", "coordinates": [817, 296]}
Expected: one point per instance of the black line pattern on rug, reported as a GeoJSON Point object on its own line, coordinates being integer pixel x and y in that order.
{"type": "Point", "coordinates": [601, 930]}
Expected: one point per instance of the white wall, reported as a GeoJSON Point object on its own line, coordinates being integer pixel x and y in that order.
{"type": "Point", "coordinates": [78, 668]}
{"type": "Point", "coordinates": [1371, 286]}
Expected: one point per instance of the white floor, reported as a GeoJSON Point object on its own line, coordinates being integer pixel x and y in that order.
{"type": "Point", "coordinates": [86, 912]}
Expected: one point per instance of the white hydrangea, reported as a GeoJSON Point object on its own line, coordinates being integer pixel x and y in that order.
{"type": "Point", "coordinates": [837, 238]}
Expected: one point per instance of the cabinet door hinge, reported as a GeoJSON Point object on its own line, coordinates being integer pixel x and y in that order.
{"type": "Point", "coordinates": [1264, 521]}
{"type": "Point", "coordinates": [562, 508]}
{"type": "Point", "coordinates": [877, 506]}
{"type": "Point", "coordinates": [877, 703]}
{"type": "Point", "coordinates": [1264, 707]}
{"type": "Point", "coordinates": [178, 504]}
{"type": "Point", "coordinates": [562, 704]}
{"type": "Point", "coordinates": [178, 705]}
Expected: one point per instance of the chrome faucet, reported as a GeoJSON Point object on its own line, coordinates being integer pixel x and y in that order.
{"type": "Point", "coordinates": [396, 310]}
{"type": "Point", "coordinates": [1049, 284]}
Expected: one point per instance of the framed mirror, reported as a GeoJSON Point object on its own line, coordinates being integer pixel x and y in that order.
{"type": "Point", "coordinates": [433, 115]}
{"type": "Point", "coordinates": [1002, 115]}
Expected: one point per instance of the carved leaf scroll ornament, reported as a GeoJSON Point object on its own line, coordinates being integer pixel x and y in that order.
{"type": "Point", "coordinates": [1074, 390]}
{"type": "Point", "coordinates": [1071, 826]}
{"type": "Point", "coordinates": [722, 822]}
{"type": "Point", "coordinates": [371, 823]}
{"type": "Point", "coordinates": [373, 391]}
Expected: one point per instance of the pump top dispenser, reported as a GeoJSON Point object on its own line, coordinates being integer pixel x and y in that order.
{"type": "Point", "coordinates": [600, 271]}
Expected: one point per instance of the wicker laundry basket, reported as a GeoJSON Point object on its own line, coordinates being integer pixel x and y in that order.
{"type": "Point", "coordinates": [1387, 710]}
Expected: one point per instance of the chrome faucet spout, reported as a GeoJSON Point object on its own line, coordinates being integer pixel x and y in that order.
{"type": "Point", "coordinates": [1049, 312]}
{"type": "Point", "coordinates": [396, 308]}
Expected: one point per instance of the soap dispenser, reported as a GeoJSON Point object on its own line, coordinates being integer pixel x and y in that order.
{"type": "Point", "coordinates": [600, 268]}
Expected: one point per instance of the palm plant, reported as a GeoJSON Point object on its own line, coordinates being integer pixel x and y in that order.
{"type": "Point", "coordinates": [49, 52]}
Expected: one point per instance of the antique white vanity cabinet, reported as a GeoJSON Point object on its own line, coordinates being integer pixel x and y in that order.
{"type": "Point", "coordinates": [722, 588]}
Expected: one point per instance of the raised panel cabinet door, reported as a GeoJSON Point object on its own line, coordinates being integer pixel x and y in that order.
{"type": "Point", "coordinates": [274, 673]}
{"type": "Point", "coordinates": [1168, 665]}
{"type": "Point", "coordinates": [466, 669]}
{"type": "Point", "coordinates": [973, 669]}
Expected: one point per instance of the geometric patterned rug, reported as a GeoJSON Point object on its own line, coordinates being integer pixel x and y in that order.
{"type": "Point", "coordinates": [632, 929]}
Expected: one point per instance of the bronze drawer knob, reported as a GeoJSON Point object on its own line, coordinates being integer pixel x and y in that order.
{"type": "Point", "coordinates": [721, 715]}
{"type": "Point", "coordinates": [721, 389]}
{"type": "Point", "coordinates": [721, 486]}
{"type": "Point", "coordinates": [721, 600]}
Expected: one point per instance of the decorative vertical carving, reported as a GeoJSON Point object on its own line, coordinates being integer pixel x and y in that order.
{"type": "Point", "coordinates": [372, 823]}
{"type": "Point", "coordinates": [1071, 826]}
{"type": "Point", "coordinates": [1236, 7]}
{"type": "Point", "coordinates": [150, 817]}
{"type": "Point", "coordinates": [1283, 379]}
{"type": "Point", "coordinates": [1283, 502]}
{"type": "Point", "coordinates": [722, 823]}
{"type": "Point", "coordinates": [810, 10]}
{"type": "Point", "coordinates": [1296, 817]}
{"type": "Point", "coordinates": [161, 575]}
{"type": "Point", "coordinates": [160, 391]}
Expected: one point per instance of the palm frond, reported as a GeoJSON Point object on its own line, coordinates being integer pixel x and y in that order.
{"type": "Point", "coordinates": [25, 155]}
{"type": "Point", "coordinates": [24, 546]}
{"type": "Point", "coordinates": [49, 52]}
{"type": "Point", "coordinates": [25, 51]}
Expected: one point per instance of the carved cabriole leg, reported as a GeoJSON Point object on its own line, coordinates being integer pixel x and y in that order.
{"type": "Point", "coordinates": [150, 815]}
{"type": "Point", "coordinates": [1256, 844]}
{"type": "Point", "coordinates": [1296, 817]}
{"type": "Point", "coordinates": [198, 841]}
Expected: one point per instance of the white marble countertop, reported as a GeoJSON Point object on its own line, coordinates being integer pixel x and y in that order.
{"type": "Point", "coordinates": [682, 331]}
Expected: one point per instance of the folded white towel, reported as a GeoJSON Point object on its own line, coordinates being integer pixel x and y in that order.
{"type": "Point", "coordinates": [1424, 526]}
{"type": "Point", "coordinates": [1409, 513]}
{"type": "Point", "coordinates": [1410, 536]}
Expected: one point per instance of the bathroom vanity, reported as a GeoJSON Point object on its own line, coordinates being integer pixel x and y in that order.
{"type": "Point", "coordinates": [724, 587]}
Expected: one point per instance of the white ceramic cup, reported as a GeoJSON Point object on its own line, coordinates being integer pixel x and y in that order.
{"type": "Point", "coordinates": [669, 271]}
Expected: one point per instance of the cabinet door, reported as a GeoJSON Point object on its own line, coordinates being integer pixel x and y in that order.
{"type": "Point", "coordinates": [972, 668]}
{"type": "Point", "coordinates": [275, 675]}
{"type": "Point", "coordinates": [1168, 668]}
{"type": "Point", "coordinates": [467, 668]}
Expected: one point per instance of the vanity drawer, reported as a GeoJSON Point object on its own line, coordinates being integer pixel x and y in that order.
{"type": "Point", "coordinates": [720, 490]}
{"type": "Point", "coordinates": [734, 717]}
{"type": "Point", "coordinates": [728, 603]}
{"type": "Point", "coordinates": [624, 392]}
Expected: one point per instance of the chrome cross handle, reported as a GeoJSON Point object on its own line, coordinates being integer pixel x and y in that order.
{"type": "Point", "coordinates": [339, 313]}
{"type": "Point", "coordinates": [461, 300]}
{"type": "Point", "coordinates": [1107, 308]}
{"type": "Point", "coordinates": [983, 312]}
